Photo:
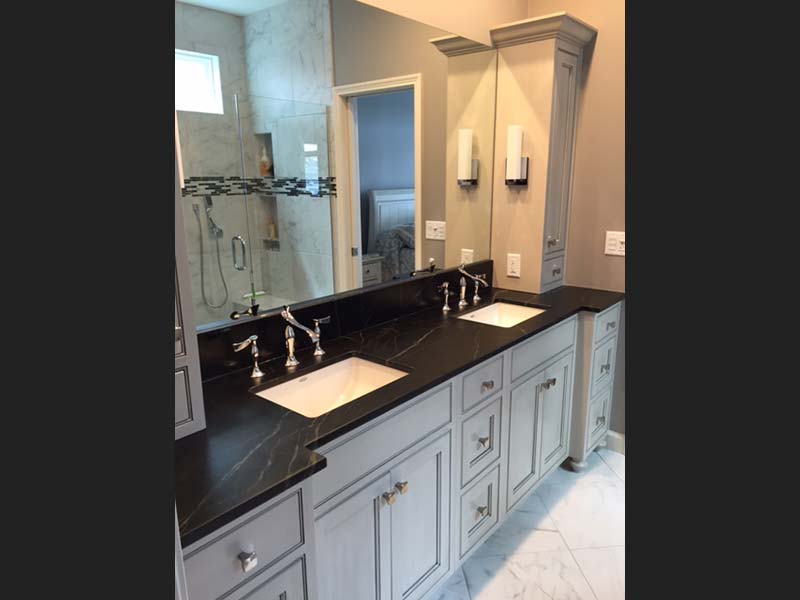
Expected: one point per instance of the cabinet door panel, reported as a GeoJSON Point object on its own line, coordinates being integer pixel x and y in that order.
{"type": "Point", "coordinates": [560, 157]}
{"type": "Point", "coordinates": [353, 547]}
{"type": "Point", "coordinates": [420, 520]}
{"type": "Point", "coordinates": [523, 463]}
{"type": "Point", "coordinates": [556, 400]}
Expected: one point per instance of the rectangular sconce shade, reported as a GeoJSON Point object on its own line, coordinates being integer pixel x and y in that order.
{"type": "Point", "coordinates": [464, 154]}
{"type": "Point", "coordinates": [514, 152]}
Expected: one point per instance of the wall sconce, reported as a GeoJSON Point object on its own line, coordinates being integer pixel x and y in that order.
{"type": "Point", "coordinates": [467, 166]}
{"type": "Point", "coordinates": [516, 164]}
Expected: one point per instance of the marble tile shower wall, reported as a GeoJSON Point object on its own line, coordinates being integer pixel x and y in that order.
{"type": "Point", "coordinates": [210, 146]}
{"type": "Point", "coordinates": [279, 62]}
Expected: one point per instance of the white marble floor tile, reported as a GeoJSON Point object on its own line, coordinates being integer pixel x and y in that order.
{"type": "Point", "coordinates": [614, 460]}
{"type": "Point", "coordinates": [528, 529]}
{"type": "Point", "coordinates": [537, 576]}
{"type": "Point", "coordinates": [597, 469]}
{"type": "Point", "coordinates": [604, 568]}
{"type": "Point", "coordinates": [454, 588]}
{"type": "Point", "coordinates": [589, 514]}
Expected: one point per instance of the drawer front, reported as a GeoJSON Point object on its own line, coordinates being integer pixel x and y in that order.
{"type": "Point", "coordinates": [289, 584]}
{"type": "Point", "coordinates": [479, 510]}
{"type": "Point", "coordinates": [371, 270]}
{"type": "Point", "coordinates": [480, 440]}
{"type": "Point", "coordinates": [553, 270]}
{"type": "Point", "coordinates": [599, 416]}
{"type": "Point", "coordinates": [215, 568]}
{"type": "Point", "coordinates": [542, 347]}
{"type": "Point", "coordinates": [183, 406]}
{"type": "Point", "coordinates": [603, 361]}
{"type": "Point", "coordinates": [370, 280]}
{"type": "Point", "coordinates": [377, 443]}
{"type": "Point", "coordinates": [606, 323]}
{"type": "Point", "coordinates": [482, 383]}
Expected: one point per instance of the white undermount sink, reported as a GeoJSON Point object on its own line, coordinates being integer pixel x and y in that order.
{"type": "Point", "coordinates": [503, 314]}
{"type": "Point", "coordinates": [330, 387]}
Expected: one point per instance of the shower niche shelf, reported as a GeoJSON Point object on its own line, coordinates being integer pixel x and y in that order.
{"type": "Point", "coordinates": [269, 223]}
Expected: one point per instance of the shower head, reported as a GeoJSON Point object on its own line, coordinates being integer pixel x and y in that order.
{"type": "Point", "coordinates": [209, 203]}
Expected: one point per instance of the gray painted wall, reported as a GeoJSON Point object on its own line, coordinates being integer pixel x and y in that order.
{"type": "Point", "coordinates": [385, 146]}
{"type": "Point", "coordinates": [372, 44]}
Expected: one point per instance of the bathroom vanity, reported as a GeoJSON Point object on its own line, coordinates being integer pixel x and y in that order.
{"type": "Point", "coordinates": [385, 495]}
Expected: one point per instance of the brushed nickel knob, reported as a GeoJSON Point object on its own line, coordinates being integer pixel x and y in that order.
{"type": "Point", "coordinates": [605, 367]}
{"type": "Point", "coordinates": [482, 510]}
{"type": "Point", "coordinates": [483, 441]}
{"type": "Point", "coordinates": [556, 272]}
{"type": "Point", "coordinates": [390, 497]}
{"type": "Point", "coordinates": [487, 385]}
{"type": "Point", "coordinates": [601, 420]}
{"type": "Point", "coordinates": [611, 325]}
{"type": "Point", "coordinates": [401, 486]}
{"type": "Point", "coordinates": [249, 561]}
{"type": "Point", "coordinates": [551, 242]}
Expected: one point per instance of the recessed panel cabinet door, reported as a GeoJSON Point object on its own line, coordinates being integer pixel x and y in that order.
{"type": "Point", "coordinates": [523, 437]}
{"type": "Point", "coordinates": [353, 546]}
{"type": "Point", "coordinates": [555, 404]}
{"type": "Point", "coordinates": [559, 174]}
{"type": "Point", "coordinates": [420, 520]}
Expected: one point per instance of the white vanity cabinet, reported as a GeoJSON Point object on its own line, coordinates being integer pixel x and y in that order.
{"type": "Point", "coordinates": [386, 535]}
{"type": "Point", "coordinates": [594, 382]}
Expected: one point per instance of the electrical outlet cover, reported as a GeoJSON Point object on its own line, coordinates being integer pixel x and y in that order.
{"type": "Point", "coordinates": [514, 265]}
{"type": "Point", "coordinates": [435, 230]}
{"type": "Point", "coordinates": [615, 243]}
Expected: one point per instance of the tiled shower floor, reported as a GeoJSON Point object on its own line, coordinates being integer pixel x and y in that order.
{"type": "Point", "coordinates": [566, 541]}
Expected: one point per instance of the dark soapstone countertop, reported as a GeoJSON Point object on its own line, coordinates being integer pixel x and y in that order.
{"type": "Point", "coordinates": [252, 449]}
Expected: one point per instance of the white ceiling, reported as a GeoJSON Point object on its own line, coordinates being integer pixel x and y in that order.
{"type": "Point", "coordinates": [236, 7]}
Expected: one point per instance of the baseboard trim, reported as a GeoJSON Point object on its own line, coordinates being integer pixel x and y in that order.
{"type": "Point", "coordinates": [615, 441]}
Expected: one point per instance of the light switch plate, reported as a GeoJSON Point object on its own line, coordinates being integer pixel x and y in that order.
{"type": "Point", "coordinates": [514, 266]}
{"type": "Point", "coordinates": [615, 243]}
{"type": "Point", "coordinates": [434, 230]}
{"type": "Point", "coordinates": [467, 255]}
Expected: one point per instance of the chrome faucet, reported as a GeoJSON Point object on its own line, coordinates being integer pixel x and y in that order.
{"type": "Point", "coordinates": [314, 334]}
{"type": "Point", "coordinates": [478, 279]}
{"type": "Point", "coordinates": [445, 287]}
{"type": "Point", "coordinates": [291, 361]}
{"type": "Point", "coordinates": [251, 341]}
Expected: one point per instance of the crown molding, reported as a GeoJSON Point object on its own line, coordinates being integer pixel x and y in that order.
{"type": "Point", "coordinates": [557, 25]}
{"type": "Point", "coordinates": [455, 45]}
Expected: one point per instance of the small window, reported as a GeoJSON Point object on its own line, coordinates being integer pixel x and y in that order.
{"type": "Point", "coordinates": [197, 83]}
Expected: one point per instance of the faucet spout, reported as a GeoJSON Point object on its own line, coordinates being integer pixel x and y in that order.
{"type": "Point", "coordinates": [476, 278]}
{"type": "Point", "coordinates": [287, 315]}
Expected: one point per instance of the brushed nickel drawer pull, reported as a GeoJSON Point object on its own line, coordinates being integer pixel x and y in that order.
{"type": "Point", "coordinates": [606, 367]}
{"type": "Point", "coordinates": [390, 497]}
{"type": "Point", "coordinates": [482, 510]}
{"type": "Point", "coordinates": [483, 441]}
{"type": "Point", "coordinates": [283, 596]}
{"type": "Point", "coordinates": [552, 242]}
{"type": "Point", "coordinates": [611, 325]}
{"type": "Point", "coordinates": [401, 486]}
{"type": "Point", "coordinates": [601, 420]}
{"type": "Point", "coordinates": [487, 385]}
{"type": "Point", "coordinates": [556, 272]}
{"type": "Point", "coordinates": [249, 560]}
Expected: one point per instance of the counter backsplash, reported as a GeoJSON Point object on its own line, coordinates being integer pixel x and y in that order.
{"type": "Point", "coordinates": [349, 311]}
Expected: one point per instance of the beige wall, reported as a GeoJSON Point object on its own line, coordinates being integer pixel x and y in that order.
{"type": "Point", "coordinates": [369, 43]}
{"type": "Point", "coordinates": [471, 84]}
{"type": "Point", "coordinates": [471, 19]}
{"type": "Point", "coordinates": [598, 193]}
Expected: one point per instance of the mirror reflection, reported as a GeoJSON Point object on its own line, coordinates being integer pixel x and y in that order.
{"type": "Point", "coordinates": [317, 141]}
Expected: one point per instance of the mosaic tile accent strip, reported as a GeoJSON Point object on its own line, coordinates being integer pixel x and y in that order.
{"type": "Point", "coordinates": [236, 186]}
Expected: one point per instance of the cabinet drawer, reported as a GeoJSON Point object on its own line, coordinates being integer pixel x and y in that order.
{"type": "Point", "coordinates": [183, 406]}
{"type": "Point", "coordinates": [214, 568]}
{"type": "Point", "coordinates": [542, 347]}
{"type": "Point", "coordinates": [553, 270]}
{"type": "Point", "coordinates": [482, 383]}
{"type": "Point", "coordinates": [375, 444]}
{"type": "Point", "coordinates": [370, 280]}
{"type": "Point", "coordinates": [289, 584]}
{"type": "Point", "coordinates": [603, 361]}
{"type": "Point", "coordinates": [480, 440]}
{"type": "Point", "coordinates": [479, 510]}
{"type": "Point", "coordinates": [371, 270]}
{"type": "Point", "coordinates": [599, 416]}
{"type": "Point", "coordinates": [606, 323]}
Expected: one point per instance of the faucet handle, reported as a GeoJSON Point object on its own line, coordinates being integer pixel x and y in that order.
{"type": "Point", "coordinates": [322, 321]}
{"type": "Point", "coordinates": [245, 343]}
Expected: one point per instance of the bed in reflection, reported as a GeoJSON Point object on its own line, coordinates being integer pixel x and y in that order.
{"type": "Point", "coordinates": [391, 230]}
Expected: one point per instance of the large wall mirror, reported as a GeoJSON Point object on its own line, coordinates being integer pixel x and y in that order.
{"type": "Point", "coordinates": [316, 139]}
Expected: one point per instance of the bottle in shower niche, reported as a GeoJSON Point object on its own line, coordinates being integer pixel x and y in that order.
{"type": "Point", "coordinates": [264, 163]}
